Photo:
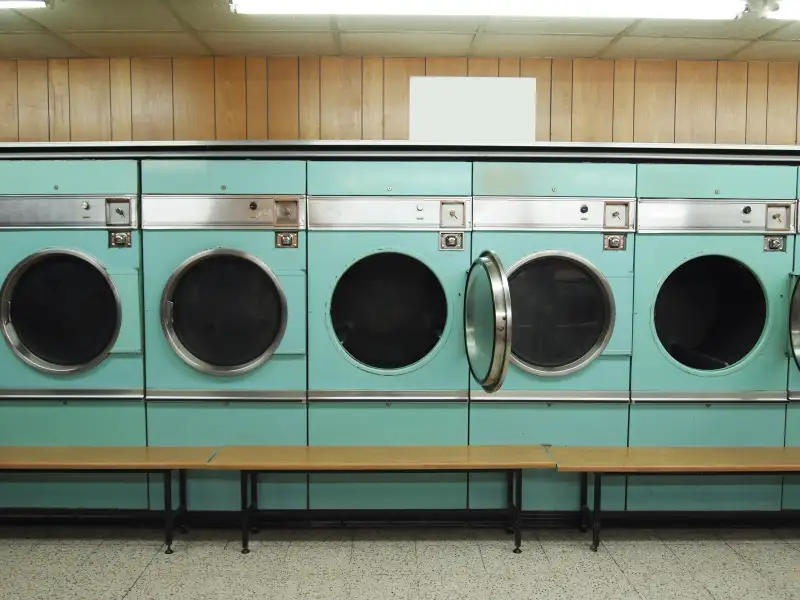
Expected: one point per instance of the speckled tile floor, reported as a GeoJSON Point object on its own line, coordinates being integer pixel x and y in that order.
{"type": "Point", "coordinates": [433, 564]}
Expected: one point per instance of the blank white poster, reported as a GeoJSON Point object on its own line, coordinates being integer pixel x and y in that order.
{"type": "Point", "coordinates": [472, 110]}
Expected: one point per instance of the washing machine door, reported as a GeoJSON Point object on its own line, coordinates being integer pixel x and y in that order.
{"type": "Point", "coordinates": [487, 321]}
{"type": "Point", "coordinates": [794, 322]}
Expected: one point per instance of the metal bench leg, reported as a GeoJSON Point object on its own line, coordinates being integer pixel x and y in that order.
{"type": "Point", "coordinates": [518, 512]}
{"type": "Point", "coordinates": [183, 508]}
{"type": "Point", "coordinates": [510, 501]}
{"type": "Point", "coordinates": [168, 516]}
{"type": "Point", "coordinates": [254, 500]}
{"type": "Point", "coordinates": [245, 514]}
{"type": "Point", "coordinates": [584, 502]}
{"type": "Point", "coordinates": [597, 511]}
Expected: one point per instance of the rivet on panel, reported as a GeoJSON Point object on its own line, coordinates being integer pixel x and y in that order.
{"type": "Point", "coordinates": [389, 188]}
{"type": "Point", "coordinates": [554, 190]}
{"type": "Point", "coordinates": [716, 192]}
{"type": "Point", "coordinates": [223, 187]}
{"type": "Point", "coordinates": [55, 187]}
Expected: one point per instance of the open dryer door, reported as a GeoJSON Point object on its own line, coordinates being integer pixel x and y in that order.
{"type": "Point", "coordinates": [487, 321]}
{"type": "Point", "coordinates": [794, 321]}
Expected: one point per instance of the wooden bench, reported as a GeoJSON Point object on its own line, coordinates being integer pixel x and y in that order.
{"type": "Point", "coordinates": [115, 460]}
{"type": "Point", "coordinates": [673, 461]}
{"type": "Point", "coordinates": [251, 461]}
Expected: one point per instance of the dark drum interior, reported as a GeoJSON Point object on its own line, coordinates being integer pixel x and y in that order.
{"type": "Point", "coordinates": [560, 312]}
{"type": "Point", "coordinates": [64, 310]}
{"type": "Point", "coordinates": [388, 310]}
{"type": "Point", "coordinates": [226, 310]}
{"type": "Point", "coordinates": [710, 312]}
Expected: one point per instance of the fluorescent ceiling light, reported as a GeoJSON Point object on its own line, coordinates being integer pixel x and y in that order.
{"type": "Point", "coordinates": [22, 4]}
{"type": "Point", "coordinates": [788, 10]}
{"type": "Point", "coordinates": [592, 9]}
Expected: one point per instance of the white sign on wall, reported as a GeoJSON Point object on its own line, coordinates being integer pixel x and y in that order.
{"type": "Point", "coordinates": [472, 110]}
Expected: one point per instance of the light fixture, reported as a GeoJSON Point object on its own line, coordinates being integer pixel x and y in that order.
{"type": "Point", "coordinates": [23, 4]}
{"type": "Point", "coordinates": [788, 10]}
{"type": "Point", "coordinates": [593, 9]}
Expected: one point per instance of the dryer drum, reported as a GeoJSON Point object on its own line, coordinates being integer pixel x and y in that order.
{"type": "Point", "coordinates": [228, 311]}
{"type": "Point", "coordinates": [563, 313]}
{"type": "Point", "coordinates": [710, 312]}
{"type": "Point", "coordinates": [63, 312]}
{"type": "Point", "coordinates": [388, 310]}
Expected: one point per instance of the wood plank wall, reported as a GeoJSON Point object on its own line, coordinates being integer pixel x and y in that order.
{"type": "Point", "coordinates": [290, 98]}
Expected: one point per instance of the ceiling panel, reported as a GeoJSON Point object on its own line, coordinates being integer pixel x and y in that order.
{"type": "Point", "coordinates": [11, 20]}
{"type": "Point", "coordinates": [277, 43]}
{"type": "Point", "coordinates": [106, 15]}
{"type": "Point", "coordinates": [35, 45]}
{"type": "Point", "coordinates": [789, 31]}
{"type": "Point", "coordinates": [406, 44]}
{"type": "Point", "coordinates": [557, 26]}
{"type": "Point", "coordinates": [681, 49]}
{"type": "Point", "coordinates": [443, 24]}
{"type": "Point", "coordinates": [743, 29]}
{"type": "Point", "coordinates": [216, 15]}
{"type": "Point", "coordinates": [136, 44]}
{"type": "Point", "coordinates": [556, 46]}
{"type": "Point", "coordinates": [768, 50]}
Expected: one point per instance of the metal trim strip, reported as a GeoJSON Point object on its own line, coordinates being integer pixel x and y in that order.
{"type": "Point", "coordinates": [794, 396]}
{"type": "Point", "coordinates": [386, 213]}
{"type": "Point", "coordinates": [552, 396]}
{"type": "Point", "coordinates": [225, 395]}
{"type": "Point", "coordinates": [195, 212]}
{"type": "Point", "coordinates": [709, 397]}
{"type": "Point", "coordinates": [71, 394]}
{"type": "Point", "coordinates": [375, 396]}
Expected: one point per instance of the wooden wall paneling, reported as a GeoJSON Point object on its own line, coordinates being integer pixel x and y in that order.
{"type": "Point", "coordinates": [309, 98]}
{"type": "Point", "coordinates": [782, 103]}
{"type": "Point", "coordinates": [654, 101]}
{"type": "Point", "coordinates": [483, 67]}
{"type": "Point", "coordinates": [757, 82]}
{"type": "Point", "coordinates": [58, 99]}
{"type": "Point", "coordinates": [230, 98]}
{"type": "Point", "coordinates": [193, 98]}
{"type": "Point", "coordinates": [151, 98]}
{"type": "Point", "coordinates": [696, 102]}
{"type": "Point", "coordinates": [508, 67]}
{"type": "Point", "coordinates": [541, 70]}
{"type": "Point", "coordinates": [256, 80]}
{"type": "Point", "coordinates": [372, 99]}
{"type": "Point", "coordinates": [561, 103]}
{"type": "Point", "coordinates": [282, 98]}
{"type": "Point", "coordinates": [120, 76]}
{"type": "Point", "coordinates": [89, 99]}
{"type": "Point", "coordinates": [397, 73]}
{"type": "Point", "coordinates": [624, 93]}
{"type": "Point", "coordinates": [592, 100]}
{"type": "Point", "coordinates": [340, 94]}
{"type": "Point", "coordinates": [9, 112]}
{"type": "Point", "coordinates": [446, 67]}
{"type": "Point", "coordinates": [731, 103]}
{"type": "Point", "coordinates": [33, 108]}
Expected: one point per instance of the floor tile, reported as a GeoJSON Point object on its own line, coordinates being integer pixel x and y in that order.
{"type": "Point", "coordinates": [534, 587]}
{"type": "Point", "coordinates": [379, 587]}
{"type": "Point", "coordinates": [383, 555]}
{"type": "Point", "coordinates": [606, 586]}
{"type": "Point", "coordinates": [324, 553]}
{"type": "Point", "coordinates": [499, 559]}
{"type": "Point", "coordinates": [437, 586]}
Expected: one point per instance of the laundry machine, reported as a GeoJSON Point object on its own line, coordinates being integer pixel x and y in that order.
{"type": "Point", "coordinates": [224, 256]}
{"type": "Point", "coordinates": [714, 251]}
{"type": "Point", "coordinates": [389, 363]}
{"type": "Point", "coordinates": [71, 356]}
{"type": "Point", "coordinates": [565, 234]}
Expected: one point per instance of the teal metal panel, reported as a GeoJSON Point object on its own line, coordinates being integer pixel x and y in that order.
{"type": "Point", "coordinates": [764, 369]}
{"type": "Point", "coordinates": [717, 181]}
{"type": "Point", "coordinates": [342, 178]}
{"type": "Point", "coordinates": [164, 251]}
{"type": "Point", "coordinates": [558, 424]}
{"type": "Point", "coordinates": [229, 424]}
{"type": "Point", "coordinates": [73, 423]}
{"type": "Point", "coordinates": [68, 177]}
{"type": "Point", "coordinates": [791, 485]}
{"type": "Point", "coordinates": [330, 254]}
{"type": "Point", "coordinates": [554, 179]}
{"type": "Point", "coordinates": [381, 424]}
{"type": "Point", "coordinates": [706, 425]}
{"type": "Point", "coordinates": [123, 369]}
{"type": "Point", "coordinates": [223, 177]}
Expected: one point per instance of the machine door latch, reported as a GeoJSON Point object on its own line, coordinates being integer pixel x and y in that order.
{"type": "Point", "coordinates": [774, 243]}
{"type": "Point", "coordinates": [286, 239]}
{"type": "Point", "coordinates": [451, 240]}
{"type": "Point", "coordinates": [119, 239]}
{"type": "Point", "coordinates": [614, 242]}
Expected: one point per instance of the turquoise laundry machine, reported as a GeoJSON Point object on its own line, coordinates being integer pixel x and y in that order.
{"type": "Point", "coordinates": [389, 249]}
{"type": "Point", "coordinates": [714, 252]}
{"type": "Point", "coordinates": [224, 252]}
{"type": "Point", "coordinates": [71, 361]}
{"type": "Point", "coordinates": [565, 234]}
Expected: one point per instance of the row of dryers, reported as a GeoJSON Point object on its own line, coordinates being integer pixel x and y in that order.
{"type": "Point", "coordinates": [414, 303]}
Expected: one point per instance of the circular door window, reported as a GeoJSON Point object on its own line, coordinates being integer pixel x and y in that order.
{"type": "Point", "coordinates": [224, 312]}
{"type": "Point", "coordinates": [388, 311]}
{"type": "Point", "coordinates": [60, 311]}
{"type": "Point", "coordinates": [563, 311]}
{"type": "Point", "coordinates": [710, 313]}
